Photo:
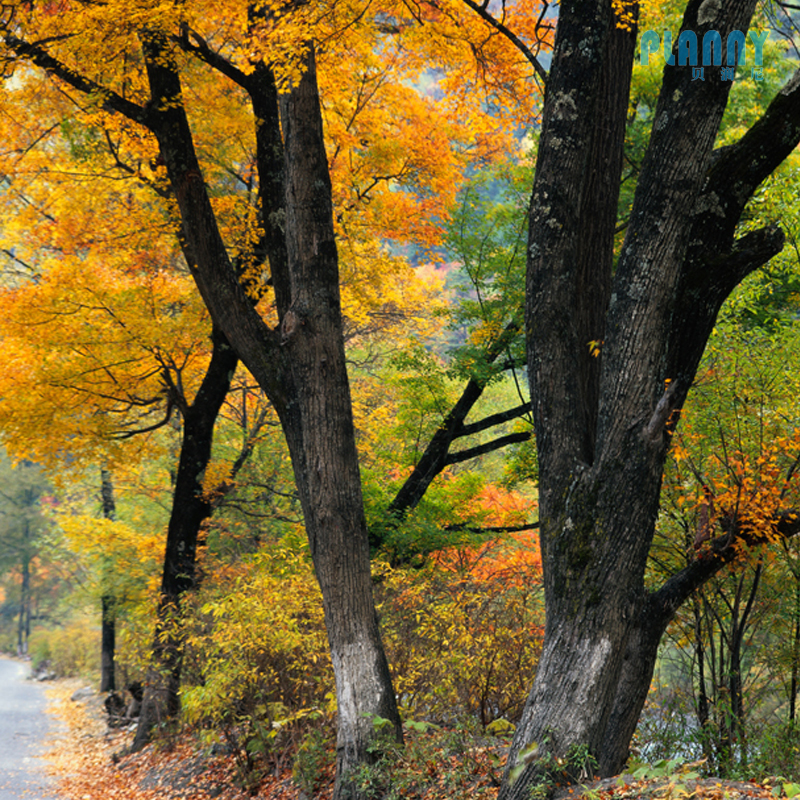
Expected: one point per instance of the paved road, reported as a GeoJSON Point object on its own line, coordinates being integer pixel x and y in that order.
{"type": "Point", "coordinates": [24, 727]}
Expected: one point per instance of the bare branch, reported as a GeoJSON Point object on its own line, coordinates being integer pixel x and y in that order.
{"type": "Point", "coordinates": [488, 447]}
{"type": "Point", "coordinates": [492, 420]}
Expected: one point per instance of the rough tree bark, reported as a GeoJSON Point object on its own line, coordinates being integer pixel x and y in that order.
{"type": "Point", "coordinates": [603, 430]}
{"type": "Point", "coordinates": [300, 365]}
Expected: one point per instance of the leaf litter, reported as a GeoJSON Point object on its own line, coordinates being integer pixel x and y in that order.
{"type": "Point", "coordinates": [87, 760]}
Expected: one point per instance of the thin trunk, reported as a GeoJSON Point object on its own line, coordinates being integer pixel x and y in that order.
{"type": "Point", "coordinates": [737, 690]}
{"type": "Point", "coordinates": [108, 635]}
{"type": "Point", "coordinates": [702, 693]}
{"type": "Point", "coordinates": [795, 669]}
{"type": "Point", "coordinates": [108, 602]}
{"type": "Point", "coordinates": [190, 508]}
{"type": "Point", "coordinates": [23, 625]}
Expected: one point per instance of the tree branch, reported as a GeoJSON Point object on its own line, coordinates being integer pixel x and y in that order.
{"type": "Point", "coordinates": [488, 447]}
{"type": "Point", "coordinates": [483, 12]}
{"type": "Point", "coordinates": [737, 170]}
{"type": "Point", "coordinates": [715, 263]}
{"type": "Point", "coordinates": [109, 100]}
{"type": "Point", "coordinates": [198, 47]}
{"type": "Point", "coordinates": [720, 551]}
{"type": "Point", "coordinates": [529, 526]}
{"type": "Point", "coordinates": [492, 420]}
{"type": "Point", "coordinates": [434, 459]}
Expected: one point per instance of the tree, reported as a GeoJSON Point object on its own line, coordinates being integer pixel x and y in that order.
{"type": "Point", "coordinates": [603, 425]}
{"type": "Point", "coordinates": [300, 361]}
{"type": "Point", "coordinates": [21, 527]}
{"type": "Point", "coordinates": [86, 340]}
{"type": "Point", "coordinates": [108, 603]}
{"type": "Point", "coordinates": [735, 456]}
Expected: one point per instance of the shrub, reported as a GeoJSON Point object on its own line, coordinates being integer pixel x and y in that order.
{"type": "Point", "coordinates": [71, 651]}
{"type": "Point", "coordinates": [775, 750]}
{"type": "Point", "coordinates": [258, 658]}
{"type": "Point", "coordinates": [462, 642]}
{"type": "Point", "coordinates": [432, 763]}
{"type": "Point", "coordinates": [463, 638]}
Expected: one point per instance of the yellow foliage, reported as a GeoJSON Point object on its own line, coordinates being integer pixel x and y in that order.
{"type": "Point", "coordinates": [260, 649]}
{"type": "Point", "coordinates": [72, 651]}
{"type": "Point", "coordinates": [461, 643]}
{"type": "Point", "coordinates": [125, 560]}
{"type": "Point", "coordinates": [734, 456]}
{"type": "Point", "coordinates": [458, 644]}
{"type": "Point", "coordinates": [217, 475]}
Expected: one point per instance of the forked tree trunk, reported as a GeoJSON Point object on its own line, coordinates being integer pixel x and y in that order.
{"type": "Point", "coordinates": [300, 366]}
{"type": "Point", "coordinates": [602, 434]}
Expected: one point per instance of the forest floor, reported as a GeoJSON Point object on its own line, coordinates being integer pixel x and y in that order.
{"type": "Point", "coordinates": [87, 765]}
{"type": "Point", "coordinates": [86, 762]}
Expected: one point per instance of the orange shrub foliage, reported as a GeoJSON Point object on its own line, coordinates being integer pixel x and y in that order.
{"type": "Point", "coordinates": [464, 637]}
{"type": "Point", "coordinates": [514, 558]}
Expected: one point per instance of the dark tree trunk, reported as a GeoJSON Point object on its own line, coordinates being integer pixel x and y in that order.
{"type": "Point", "coordinates": [602, 434]}
{"type": "Point", "coordinates": [300, 366]}
{"type": "Point", "coordinates": [319, 430]}
{"type": "Point", "coordinates": [795, 663]}
{"type": "Point", "coordinates": [190, 508]}
{"type": "Point", "coordinates": [108, 636]}
{"type": "Point", "coordinates": [108, 603]}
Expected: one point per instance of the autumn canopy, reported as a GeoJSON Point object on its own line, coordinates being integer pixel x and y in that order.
{"type": "Point", "coordinates": [274, 252]}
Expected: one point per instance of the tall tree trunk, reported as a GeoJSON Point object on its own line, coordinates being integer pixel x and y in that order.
{"type": "Point", "coordinates": [702, 707]}
{"type": "Point", "coordinates": [300, 366]}
{"type": "Point", "coordinates": [321, 437]}
{"type": "Point", "coordinates": [190, 508]}
{"type": "Point", "coordinates": [602, 435]}
{"type": "Point", "coordinates": [108, 602]}
{"type": "Point", "coordinates": [588, 601]}
{"type": "Point", "coordinates": [739, 624]}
